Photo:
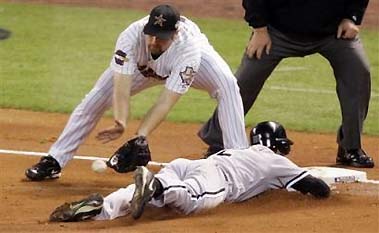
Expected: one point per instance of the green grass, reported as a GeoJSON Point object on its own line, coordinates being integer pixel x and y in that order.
{"type": "Point", "coordinates": [56, 54]}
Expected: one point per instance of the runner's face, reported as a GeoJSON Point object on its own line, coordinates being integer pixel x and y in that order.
{"type": "Point", "coordinates": [156, 45]}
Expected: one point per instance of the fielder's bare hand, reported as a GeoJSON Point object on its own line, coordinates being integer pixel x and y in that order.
{"type": "Point", "coordinates": [347, 29]}
{"type": "Point", "coordinates": [259, 43]}
{"type": "Point", "coordinates": [111, 133]}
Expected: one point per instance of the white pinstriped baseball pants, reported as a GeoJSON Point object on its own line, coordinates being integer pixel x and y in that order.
{"type": "Point", "coordinates": [214, 76]}
{"type": "Point", "coordinates": [189, 186]}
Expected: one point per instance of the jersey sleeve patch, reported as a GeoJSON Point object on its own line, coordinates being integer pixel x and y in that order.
{"type": "Point", "coordinates": [120, 57]}
{"type": "Point", "coordinates": [187, 76]}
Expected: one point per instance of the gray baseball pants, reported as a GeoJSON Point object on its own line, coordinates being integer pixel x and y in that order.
{"type": "Point", "coordinates": [351, 70]}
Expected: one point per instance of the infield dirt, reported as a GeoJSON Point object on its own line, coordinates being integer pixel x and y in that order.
{"type": "Point", "coordinates": [25, 206]}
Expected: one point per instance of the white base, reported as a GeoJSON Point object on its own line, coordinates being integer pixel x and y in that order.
{"type": "Point", "coordinates": [333, 175]}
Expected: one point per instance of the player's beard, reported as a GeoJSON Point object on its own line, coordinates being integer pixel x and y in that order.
{"type": "Point", "coordinates": [155, 50]}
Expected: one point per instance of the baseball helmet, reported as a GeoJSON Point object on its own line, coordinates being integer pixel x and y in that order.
{"type": "Point", "coordinates": [273, 135]}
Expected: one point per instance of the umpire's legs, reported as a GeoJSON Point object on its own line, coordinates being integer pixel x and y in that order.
{"type": "Point", "coordinates": [251, 75]}
{"type": "Point", "coordinates": [352, 73]}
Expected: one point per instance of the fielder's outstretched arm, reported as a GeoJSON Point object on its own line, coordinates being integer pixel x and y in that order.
{"type": "Point", "coordinates": [158, 112]}
{"type": "Point", "coordinates": [121, 97]}
{"type": "Point", "coordinates": [121, 103]}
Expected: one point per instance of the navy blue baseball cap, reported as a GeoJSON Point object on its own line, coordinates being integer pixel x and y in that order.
{"type": "Point", "coordinates": [163, 22]}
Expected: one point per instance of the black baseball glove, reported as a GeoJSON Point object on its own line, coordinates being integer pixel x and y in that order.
{"type": "Point", "coordinates": [133, 153]}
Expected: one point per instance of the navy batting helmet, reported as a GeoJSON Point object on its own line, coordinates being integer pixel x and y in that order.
{"type": "Point", "coordinates": [273, 135]}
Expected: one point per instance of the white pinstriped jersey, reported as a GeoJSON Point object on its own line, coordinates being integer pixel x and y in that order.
{"type": "Point", "coordinates": [189, 61]}
{"type": "Point", "coordinates": [177, 65]}
{"type": "Point", "coordinates": [254, 170]}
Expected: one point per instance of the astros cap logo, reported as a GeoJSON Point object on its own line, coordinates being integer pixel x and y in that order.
{"type": "Point", "coordinates": [163, 22]}
{"type": "Point", "coordinates": [159, 20]}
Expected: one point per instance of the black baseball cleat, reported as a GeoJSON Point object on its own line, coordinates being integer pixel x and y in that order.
{"type": "Point", "coordinates": [46, 168]}
{"type": "Point", "coordinates": [315, 186]}
{"type": "Point", "coordinates": [78, 211]}
{"type": "Point", "coordinates": [145, 189]}
{"type": "Point", "coordinates": [354, 158]}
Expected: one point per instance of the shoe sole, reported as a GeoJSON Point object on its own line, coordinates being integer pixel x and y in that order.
{"type": "Point", "coordinates": [142, 177]}
{"type": "Point", "coordinates": [31, 177]}
{"type": "Point", "coordinates": [353, 164]}
{"type": "Point", "coordinates": [78, 211]}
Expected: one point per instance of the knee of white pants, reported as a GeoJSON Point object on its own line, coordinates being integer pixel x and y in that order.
{"type": "Point", "coordinates": [231, 85]}
{"type": "Point", "coordinates": [116, 204]}
{"type": "Point", "coordinates": [178, 163]}
{"type": "Point", "coordinates": [228, 90]}
{"type": "Point", "coordinates": [201, 186]}
{"type": "Point", "coordinates": [177, 168]}
{"type": "Point", "coordinates": [183, 201]}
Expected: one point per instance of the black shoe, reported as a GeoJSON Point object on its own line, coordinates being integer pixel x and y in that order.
{"type": "Point", "coordinates": [79, 210]}
{"type": "Point", "coordinates": [354, 158]}
{"type": "Point", "coordinates": [212, 150]}
{"type": "Point", "coordinates": [315, 186]}
{"type": "Point", "coordinates": [144, 192]}
{"type": "Point", "coordinates": [46, 168]}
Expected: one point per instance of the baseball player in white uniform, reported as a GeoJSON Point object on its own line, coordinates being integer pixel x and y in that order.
{"type": "Point", "coordinates": [162, 48]}
{"type": "Point", "coordinates": [188, 186]}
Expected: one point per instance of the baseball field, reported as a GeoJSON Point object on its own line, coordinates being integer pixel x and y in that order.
{"type": "Point", "coordinates": [56, 53]}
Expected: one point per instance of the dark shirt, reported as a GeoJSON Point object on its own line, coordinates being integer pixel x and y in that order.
{"type": "Point", "coordinates": [303, 17]}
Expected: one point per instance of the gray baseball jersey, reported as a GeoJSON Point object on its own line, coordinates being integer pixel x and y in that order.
{"type": "Point", "coordinates": [189, 61]}
{"type": "Point", "coordinates": [231, 175]}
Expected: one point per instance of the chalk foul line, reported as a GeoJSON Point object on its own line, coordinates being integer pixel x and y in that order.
{"type": "Point", "coordinates": [32, 153]}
